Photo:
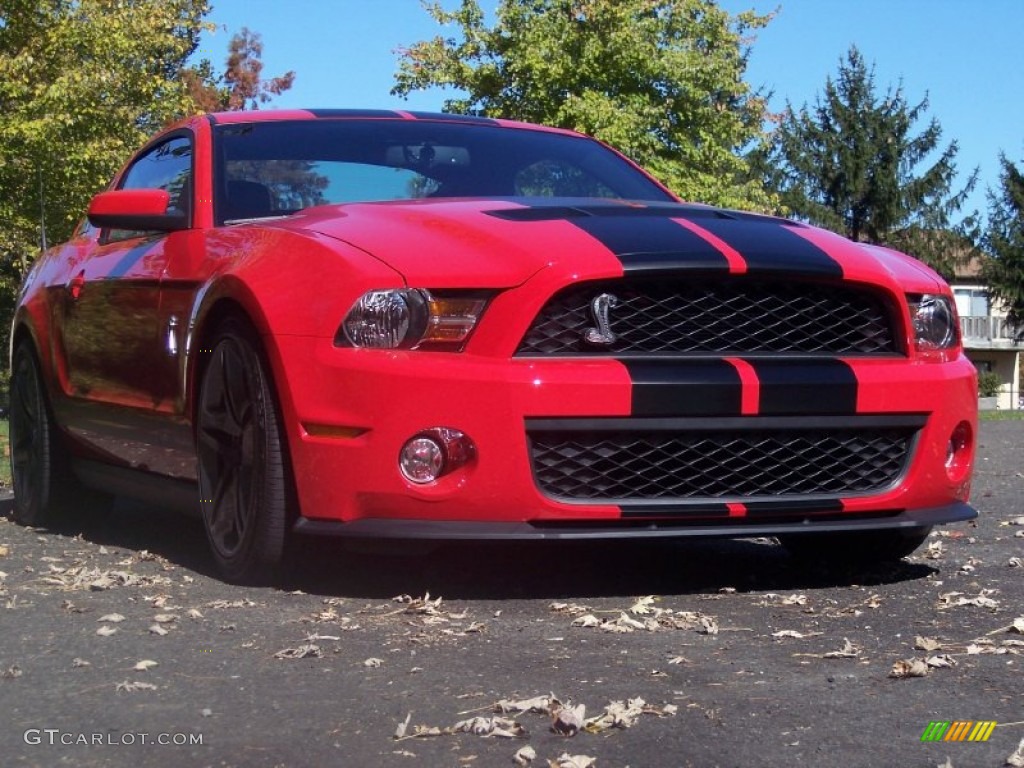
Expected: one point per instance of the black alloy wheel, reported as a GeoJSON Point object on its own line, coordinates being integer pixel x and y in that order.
{"type": "Point", "coordinates": [243, 480]}
{"type": "Point", "coordinates": [35, 466]}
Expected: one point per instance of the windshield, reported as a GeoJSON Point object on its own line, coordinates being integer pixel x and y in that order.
{"type": "Point", "coordinates": [278, 168]}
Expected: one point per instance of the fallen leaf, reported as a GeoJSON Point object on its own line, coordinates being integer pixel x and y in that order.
{"type": "Point", "coordinates": [1016, 758]}
{"type": "Point", "coordinates": [113, 618]}
{"type": "Point", "coordinates": [524, 756]}
{"type": "Point", "coordinates": [194, 614]}
{"type": "Point", "coordinates": [794, 634]}
{"type": "Point", "coordinates": [3, 550]}
{"type": "Point", "coordinates": [619, 714]}
{"type": "Point", "coordinates": [499, 727]}
{"type": "Point", "coordinates": [134, 687]}
{"type": "Point", "coordinates": [106, 631]}
{"type": "Point", "coordinates": [848, 651]}
{"type": "Point", "coordinates": [572, 609]}
{"type": "Point", "coordinates": [941, 661]}
{"type": "Point", "coordinates": [905, 668]}
{"type": "Point", "coordinates": [11, 672]}
{"type": "Point", "coordinates": [145, 665]}
{"type": "Point", "coordinates": [935, 550]}
{"type": "Point", "coordinates": [403, 727]}
{"type": "Point", "coordinates": [302, 652]}
{"type": "Point", "coordinates": [76, 662]}
{"type": "Point", "coordinates": [540, 705]}
{"type": "Point", "coordinates": [565, 760]}
{"type": "Point", "coordinates": [165, 618]}
{"type": "Point", "coordinates": [566, 720]}
{"type": "Point", "coordinates": [926, 643]}
{"type": "Point", "coordinates": [956, 599]}
{"type": "Point", "coordinates": [642, 605]}
{"type": "Point", "coordinates": [156, 629]}
{"type": "Point", "coordinates": [1015, 562]}
{"type": "Point", "coordinates": [708, 625]}
{"type": "Point", "coordinates": [373, 662]}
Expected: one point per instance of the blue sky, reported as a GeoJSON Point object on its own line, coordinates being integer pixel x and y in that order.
{"type": "Point", "coordinates": [965, 55]}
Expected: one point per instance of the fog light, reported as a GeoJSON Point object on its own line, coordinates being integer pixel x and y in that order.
{"type": "Point", "coordinates": [422, 460]}
{"type": "Point", "coordinates": [959, 450]}
{"type": "Point", "coordinates": [433, 453]}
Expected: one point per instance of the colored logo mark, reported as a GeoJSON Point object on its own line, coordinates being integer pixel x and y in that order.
{"type": "Point", "coordinates": [958, 730]}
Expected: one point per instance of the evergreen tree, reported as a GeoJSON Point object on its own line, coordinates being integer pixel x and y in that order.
{"type": "Point", "coordinates": [852, 164]}
{"type": "Point", "coordinates": [1004, 240]}
{"type": "Point", "coordinates": [661, 80]}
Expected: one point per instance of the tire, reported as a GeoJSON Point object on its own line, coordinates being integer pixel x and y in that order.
{"type": "Point", "coordinates": [38, 466]}
{"type": "Point", "coordinates": [856, 548]}
{"type": "Point", "coordinates": [46, 491]}
{"type": "Point", "coordinates": [243, 478]}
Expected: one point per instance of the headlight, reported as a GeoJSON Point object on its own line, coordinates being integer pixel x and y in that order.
{"type": "Point", "coordinates": [935, 323]}
{"type": "Point", "coordinates": [406, 318]}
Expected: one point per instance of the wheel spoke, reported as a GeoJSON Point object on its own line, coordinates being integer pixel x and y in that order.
{"type": "Point", "coordinates": [222, 515]}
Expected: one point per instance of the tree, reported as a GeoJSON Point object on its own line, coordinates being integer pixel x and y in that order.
{"type": "Point", "coordinates": [82, 82]}
{"type": "Point", "coordinates": [1004, 240]}
{"type": "Point", "coordinates": [661, 80]}
{"type": "Point", "coordinates": [242, 85]}
{"type": "Point", "coordinates": [851, 164]}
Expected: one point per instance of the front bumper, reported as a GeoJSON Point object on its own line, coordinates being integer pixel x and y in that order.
{"type": "Point", "coordinates": [347, 423]}
{"type": "Point", "coordinates": [460, 531]}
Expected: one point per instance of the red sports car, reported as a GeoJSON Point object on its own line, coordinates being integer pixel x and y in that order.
{"type": "Point", "coordinates": [398, 324]}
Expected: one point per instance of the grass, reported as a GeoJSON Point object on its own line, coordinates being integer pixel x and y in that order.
{"type": "Point", "coordinates": [1001, 415]}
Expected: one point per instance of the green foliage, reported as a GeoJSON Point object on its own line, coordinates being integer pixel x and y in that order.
{"type": "Point", "coordinates": [852, 164]}
{"type": "Point", "coordinates": [82, 83]}
{"type": "Point", "coordinates": [989, 384]}
{"type": "Point", "coordinates": [661, 80]}
{"type": "Point", "coordinates": [1004, 240]}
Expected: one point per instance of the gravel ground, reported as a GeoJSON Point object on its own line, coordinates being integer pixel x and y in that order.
{"type": "Point", "coordinates": [116, 635]}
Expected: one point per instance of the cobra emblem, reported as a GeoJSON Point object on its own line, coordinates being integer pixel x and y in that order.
{"type": "Point", "coordinates": [600, 310]}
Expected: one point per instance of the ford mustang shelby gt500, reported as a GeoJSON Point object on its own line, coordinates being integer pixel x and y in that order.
{"type": "Point", "coordinates": [395, 324]}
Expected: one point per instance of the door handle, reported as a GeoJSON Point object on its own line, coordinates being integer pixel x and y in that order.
{"type": "Point", "coordinates": [75, 284]}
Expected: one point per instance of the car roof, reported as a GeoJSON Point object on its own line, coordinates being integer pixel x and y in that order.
{"type": "Point", "coordinates": [271, 115]}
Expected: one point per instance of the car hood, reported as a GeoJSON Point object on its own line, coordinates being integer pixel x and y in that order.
{"type": "Point", "coordinates": [501, 243]}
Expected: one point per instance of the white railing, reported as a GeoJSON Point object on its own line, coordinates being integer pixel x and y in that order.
{"type": "Point", "coordinates": [986, 328]}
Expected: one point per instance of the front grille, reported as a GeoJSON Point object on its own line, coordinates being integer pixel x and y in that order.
{"type": "Point", "coordinates": [718, 316]}
{"type": "Point", "coordinates": [741, 464]}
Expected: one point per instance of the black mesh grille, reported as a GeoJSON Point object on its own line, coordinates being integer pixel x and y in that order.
{"type": "Point", "coordinates": [723, 316]}
{"type": "Point", "coordinates": [718, 464]}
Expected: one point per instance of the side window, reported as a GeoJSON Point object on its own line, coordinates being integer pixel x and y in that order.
{"type": "Point", "coordinates": [552, 178]}
{"type": "Point", "coordinates": [166, 166]}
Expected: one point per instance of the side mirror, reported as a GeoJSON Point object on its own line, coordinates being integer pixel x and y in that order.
{"type": "Point", "coordinates": [143, 210]}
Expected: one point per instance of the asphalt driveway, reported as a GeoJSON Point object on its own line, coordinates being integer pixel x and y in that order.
{"type": "Point", "coordinates": [118, 646]}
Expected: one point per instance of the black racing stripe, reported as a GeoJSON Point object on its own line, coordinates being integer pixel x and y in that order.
{"type": "Point", "coordinates": [538, 209]}
{"type": "Point", "coordinates": [685, 388]}
{"type": "Point", "coordinates": [770, 245]}
{"type": "Point", "coordinates": [652, 243]}
{"type": "Point", "coordinates": [355, 113]}
{"type": "Point", "coordinates": [793, 507]}
{"type": "Point", "coordinates": [675, 511]}
{"type": "Point", "coordinates": [472, 119]}
{"type": "Point", "coordinates": [790, 387]}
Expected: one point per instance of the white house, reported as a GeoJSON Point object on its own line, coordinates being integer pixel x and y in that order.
{"type": "Point", "coordinates": [988, 338]}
